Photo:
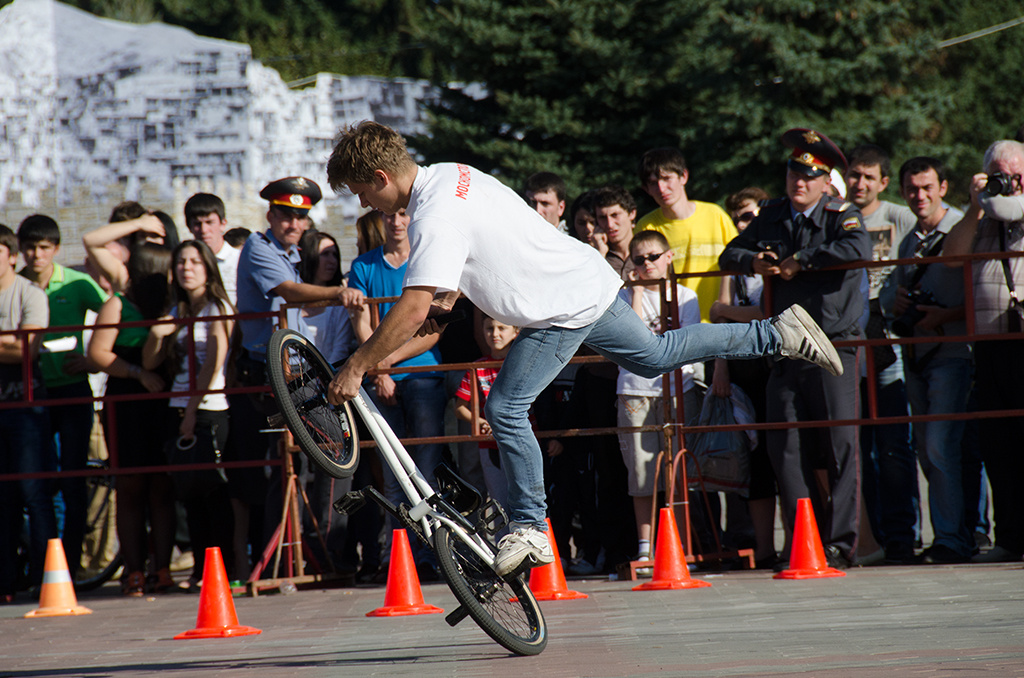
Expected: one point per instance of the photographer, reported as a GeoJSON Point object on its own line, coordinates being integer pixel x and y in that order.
{"type": "Point", "coordinates": [999, 363]}
{"type": "Point", "coordinates": [926, 300]}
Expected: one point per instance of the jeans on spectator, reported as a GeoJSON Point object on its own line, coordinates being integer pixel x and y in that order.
{"type": "Point", "coordinates": [419, 413]}
{"type": "Point", "coordinates": [941, 387]}
{"type": "Point", "coordinates": [25, 447]}
{"type": "Point", "coordinates": [537, 356]}
{"type": "Point", "coordinates": [890, 463]}
{"type": "Point", "coordinates": [72, 426]}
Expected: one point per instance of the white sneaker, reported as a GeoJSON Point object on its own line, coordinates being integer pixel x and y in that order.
{"type": "Point", "coordinates": [525, 546]}
{"type": "Point", "coordinates": [803, 339]}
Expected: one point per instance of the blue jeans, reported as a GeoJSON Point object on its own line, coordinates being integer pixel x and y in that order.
{"type": "Point", "coordinates": [72, 426]}
{"type": "Point", "coordinates": [25, 447]}
{"type": "Point", "coordinates": [538, 355]}
{"type": "Point", "coordinates": [419, 413]}
{"type": "Point", "coordinates": [890, 464]}
{"type": "Point", "coordinates": [942, 387]}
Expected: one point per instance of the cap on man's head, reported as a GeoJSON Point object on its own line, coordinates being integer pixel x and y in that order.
{"type": "Point", "coordinates": [814, 154]}
{"type": "Point", "coordinates": [297, 193]}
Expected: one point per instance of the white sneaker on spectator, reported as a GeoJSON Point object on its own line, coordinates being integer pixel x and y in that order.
{"type": "Point", "coordinates": [524, 545]}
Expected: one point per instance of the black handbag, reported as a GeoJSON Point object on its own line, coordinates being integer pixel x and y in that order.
{"type": "Point", "coordinates": [201, 449]}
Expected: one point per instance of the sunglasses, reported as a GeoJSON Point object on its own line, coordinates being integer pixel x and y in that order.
{"type": "Point", "coordinates": [640, 259]}
{"type": "Point", "coordinates": [746, 216]}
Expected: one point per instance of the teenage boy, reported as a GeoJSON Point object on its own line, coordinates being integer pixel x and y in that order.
{"type": "Point", "coordinates": [697, 231]}
{"type": "Point", "coordinates": [615, 212]}
{"type": "Point", "coordinates": [205, 218]}
{"type": "Point", "coordinates": [64, 366]}
{"type": "Point", "coordinates": [639, 398]}
{"type": "Point", "coordinates": [469, 232]}
{"type": "Point", "coordinates": [24, 431]}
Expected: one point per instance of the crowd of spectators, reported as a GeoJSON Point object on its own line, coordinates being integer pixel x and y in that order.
{"type": "Point", "coordinates": [601, 489]}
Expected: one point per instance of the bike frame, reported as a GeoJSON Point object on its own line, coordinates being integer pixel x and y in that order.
{"type": "Point", "coordinates": [415, 487]}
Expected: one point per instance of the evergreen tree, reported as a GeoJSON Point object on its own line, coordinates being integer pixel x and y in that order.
{"type": "Point", "coordinates": [583, 87]}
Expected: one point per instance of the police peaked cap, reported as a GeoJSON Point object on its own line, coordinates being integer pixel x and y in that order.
{"type": "Point", "coordinates": [814, 154]}
{"type": "Point", "coordinates": [297, 193]}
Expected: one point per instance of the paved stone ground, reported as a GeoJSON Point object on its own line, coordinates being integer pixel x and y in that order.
{"type": "Point", "coordinates": [883, 621]}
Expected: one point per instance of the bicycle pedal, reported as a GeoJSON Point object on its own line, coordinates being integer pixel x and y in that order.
{"type": "Point", "coordinates": [276, 420]}
{"type": "Point", "coordinates": [456, 615]}
{"type": "Point", "coordinates": [492, 518]}
{"type": "Point", "coordinates": [350, 503]}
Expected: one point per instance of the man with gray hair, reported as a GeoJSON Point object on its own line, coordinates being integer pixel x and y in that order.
{"type": "Point", "coordinates": [995, 223]}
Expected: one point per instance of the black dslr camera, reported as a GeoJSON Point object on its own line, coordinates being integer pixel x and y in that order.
{"type": "Point", "coordinates": [904, 325]}
{"type": "Point", "coordinates": [999, 184]}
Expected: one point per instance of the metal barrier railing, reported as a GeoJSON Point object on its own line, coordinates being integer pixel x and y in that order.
{"type": "Point", "coordinates": [674, 418]}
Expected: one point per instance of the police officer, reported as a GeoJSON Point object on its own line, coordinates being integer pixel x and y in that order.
{"type": "Point", "coordinates": [267, 278]}
{"type": "Point", "coordinates": [789, 243]}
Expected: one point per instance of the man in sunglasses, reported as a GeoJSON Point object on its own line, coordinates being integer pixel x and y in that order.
{"type": "Point", "coordinates": [788, 243]}
{"type": "Point", "coordinates": [469, 233]}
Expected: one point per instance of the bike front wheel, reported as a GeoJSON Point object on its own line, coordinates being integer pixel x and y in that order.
{"type": "Point", "coordinates": [299, 376]}
{"type": "Point", "coordinates": [506, 610]}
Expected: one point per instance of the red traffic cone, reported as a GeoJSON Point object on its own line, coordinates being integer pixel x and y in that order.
{"type": "Point", "coordinates": [807, 557]}
{"type": "Point", "coordinates": [57, 595]}
{"type": "Point", "coordinates": [217, 618]}
{"type": "Point", "coordinates": [548, 582]}
{"type": "Point", "coordinates": [403, 595]}
{"type": "Point", "coordinates": [670, 570]}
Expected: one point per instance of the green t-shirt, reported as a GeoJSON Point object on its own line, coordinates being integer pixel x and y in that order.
{"type": "Point", "coordinates": [70, 295]}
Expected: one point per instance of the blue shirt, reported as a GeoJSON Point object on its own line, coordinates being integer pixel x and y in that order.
{"type": "Point", "coordinates": [375, 277]}
{"type": "Point", "coordinates": [263, 265]}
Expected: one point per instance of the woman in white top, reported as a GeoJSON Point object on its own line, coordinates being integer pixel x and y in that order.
{"type": "Point", "coordinates": [198, 418]}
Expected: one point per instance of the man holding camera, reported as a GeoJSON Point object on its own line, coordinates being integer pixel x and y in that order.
{"type": "Point", "coordinates": [788, 243]}
{"type": "Point", "coordinates": [999, 365]}
{"type": "Point", "coordinates": [927, 300]}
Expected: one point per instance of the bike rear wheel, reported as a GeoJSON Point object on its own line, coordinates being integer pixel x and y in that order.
{"type": "Point", "coordinates": [300, 376]}
{"type": "Point", "coordinates": [506, 610]}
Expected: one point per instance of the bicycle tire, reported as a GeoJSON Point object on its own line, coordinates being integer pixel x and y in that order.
{"type": "Point", "coordinates": [299, 377]}
{"type": "Point", "coordinates": [506, 610]}
{"type": "Point", "coordinates": [96, 569]}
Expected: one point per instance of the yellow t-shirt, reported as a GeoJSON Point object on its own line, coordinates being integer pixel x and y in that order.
{"type": "Point", "coordinates": [696, 243]}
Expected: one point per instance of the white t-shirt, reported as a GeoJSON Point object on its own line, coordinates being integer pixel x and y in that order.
{"type": "Point", "coordinates": [470, 232]}
{"type": "Point", "coordinates": [211, 401]}
{"type": "Point", "coordinates": [689, 314]}
{"type": "Point", "coordinates": [227, 264]}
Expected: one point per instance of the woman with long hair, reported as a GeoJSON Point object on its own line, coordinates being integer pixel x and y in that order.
{"type": "Point", "coordinates": [197, 419]}
{"type": "Point", "coordinates": [369, 232]}
{"type": "Point", "coordinates": [329, 326]}
{"type": "Point", "coordinates": [128, 422]}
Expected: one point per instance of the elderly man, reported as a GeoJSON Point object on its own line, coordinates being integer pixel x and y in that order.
{"type": "Point", "coordinates": [788, 243]}
{"type": "Point", "coordinates": [999, 364]}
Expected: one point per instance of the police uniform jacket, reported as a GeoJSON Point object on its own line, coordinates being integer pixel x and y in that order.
{"type": "Point", "coordinates": [832, 234]}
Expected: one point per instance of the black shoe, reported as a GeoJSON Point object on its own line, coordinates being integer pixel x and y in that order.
{"type": "Point", "coordinates": [780, 566]}
{"type": "Point", "coordinates": [937, 554]}
{"type": "Point", "coordinates": [427, 573]}
{"type": "Point", "coordinates": [899, 553]}
{"type": "Point", "coordinates": [835, 557]}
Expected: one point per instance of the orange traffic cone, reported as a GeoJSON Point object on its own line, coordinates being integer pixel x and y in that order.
{"type": "Point", "coordinates": [217, 618]}
{"type": "Point", "coordinates": [807, 557]}
{"type": "Point", "coordinates": [403, 595]}
{"type": "Point", "coordinates": [670, 570]}
{"type": "Point", "coordinates": [548, 582]}
{"type": "Point", "coordinates": [57, 596]}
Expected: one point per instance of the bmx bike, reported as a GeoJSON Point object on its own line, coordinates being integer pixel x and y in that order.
{"type": "Point", "coordinates": [504, 607]}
